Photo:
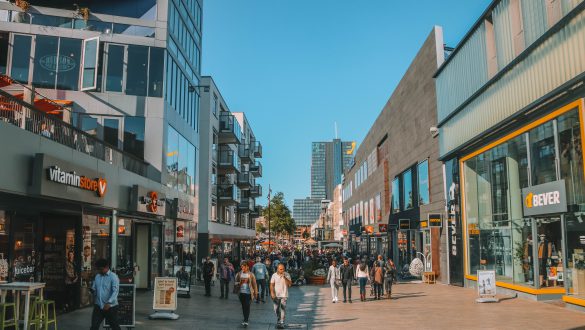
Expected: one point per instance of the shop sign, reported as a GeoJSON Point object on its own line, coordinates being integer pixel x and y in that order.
{"type": "Point", "coordinates": [369, 229]}
{"type": "Point", "coordinates": [54, 177]}
{"type": "Point", "coordinates": [183, 275]}
{"type": "Point", "coordinates": [424, 224]}
{"type": "Point", "coordinates": [435, 220]}
{"type": "Point", "coordinates": [486, 285]}
{"type": "Point", "coordinates": [183, 209]}
{"type": "Point", "coordinates": [126, 306]}
{"type": "Point", "coordinates": [148, 201]}
{"type": "Point", "coordinates": [383, 228]}
{"type": "Point", "coordinates": [404, 224]}
{"type": "Point", "coordinates": [60, 63]}
{"type": "Point", "coordinates": [165, 294]}
{"type": "Point", "coordinates": [546, 198]}
{"type": "Point", "coordinates": [472, 229]}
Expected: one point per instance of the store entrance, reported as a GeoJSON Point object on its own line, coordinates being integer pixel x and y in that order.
{"type": "Point", "coordinates": [549, 254]}
{"type": "Point", "coordinates": [59, 261]}
{"type": "Point", "coordinates": [141, 253]}
{"type": "Point", "coordinates": [409, 244]}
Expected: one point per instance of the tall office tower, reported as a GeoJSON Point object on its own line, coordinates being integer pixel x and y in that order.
{"type": "Point", "coordinates": [328, 162]}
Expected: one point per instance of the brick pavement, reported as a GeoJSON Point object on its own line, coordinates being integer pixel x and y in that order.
{"type": "Point", "coordinates": [414, 306]}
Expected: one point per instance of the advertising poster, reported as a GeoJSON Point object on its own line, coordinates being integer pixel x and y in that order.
{"type": "Point", "coordinates": [183, 275]}
{"type": "Point", "coordinates": [486, 283]}
{"type": "Point", "coordinates": [165, 294]}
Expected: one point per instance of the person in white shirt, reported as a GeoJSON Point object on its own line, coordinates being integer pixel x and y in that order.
{"type": "Point", "coordinates": [279, 284]}
{"type": "Point", "coordinates": [362, 273]}
{"type": "Point", "coordinates": [334, 277]}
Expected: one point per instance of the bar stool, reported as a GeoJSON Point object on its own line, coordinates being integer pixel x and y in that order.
{"type": "Point", "coordinates": [35, 312]}
{"type": "Point", "coordinates": [46, 318]}
{"type": "Point", "coordinates": [5, 323]}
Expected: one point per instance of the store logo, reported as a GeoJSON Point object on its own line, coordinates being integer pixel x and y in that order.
{"type": "Point", "coordinates": [57, 63]}
{"type": "Point", "coordinates": [55, 174]}
{"type": "Point", "coordinates": [152, 202]}
{"type": "Point", "coordinates": [544, 199]}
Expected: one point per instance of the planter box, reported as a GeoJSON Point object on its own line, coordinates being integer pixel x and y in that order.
{"type": "Point", "coordinates": [319, 280]}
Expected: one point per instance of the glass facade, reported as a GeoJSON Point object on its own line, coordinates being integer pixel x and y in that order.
{"type": "Point", "coordinates": [181, 163]}
{"type": "Point", "coordinates": [543, 251]}
{"type": "Point", "coordinates": [423, 183]}
{"type": "Point", "coordinates": [306, 211]}
{"type": "Point", "coordinates": [318, 171]}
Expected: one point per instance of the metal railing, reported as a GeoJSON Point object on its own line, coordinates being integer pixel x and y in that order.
{"type": "Point", "coordinates": [229, 124]}
{"type": "Point", "coordinates": [256, 168]}
{"type": "Point", "coordinates": [257, 149]}
{"type": "Point", "coordinates": [21, 114]}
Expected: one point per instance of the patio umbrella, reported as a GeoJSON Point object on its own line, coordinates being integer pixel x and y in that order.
{"type": "Point", "coordinates": [310, 241]}
{"type": "Point", "coordinates": [268, 243]}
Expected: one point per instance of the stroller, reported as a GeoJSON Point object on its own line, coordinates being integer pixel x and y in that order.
{"type": "Point", "coordinates": [298, 277]}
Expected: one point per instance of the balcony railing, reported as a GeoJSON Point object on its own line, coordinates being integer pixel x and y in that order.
{"type": "Point", "coordinates": [257, 149]}
{"type": "Point", "coordinates": [245, 180]}
{"type": "Point", "coordinates": [246, 153]}
{"type": "Point", "coordinates": [228, 161]}
{"type": "Point", "coordinates": [247, 205]}
{"type": "Point", "coordinates": [256, 169]}
{"type": "Point", "coordinates": [21, 114]}
{"type": "Point", "coordinates": [230, 131]}
{"type": "Point", "coordinates": [256, 191]}
{"type": "Point", "coordinates": [227, 194]}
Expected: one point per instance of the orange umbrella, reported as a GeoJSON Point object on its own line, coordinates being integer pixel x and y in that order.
{"type": "Point", "coordinates": [268, 243]}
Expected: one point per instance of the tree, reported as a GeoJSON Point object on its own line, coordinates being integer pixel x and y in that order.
{"type": "Point", "coordinates": [260, 228]}
{"type": "Point", "coordinates": [306, 234]}
{"type": "Point", "coordinates": [281, 221]}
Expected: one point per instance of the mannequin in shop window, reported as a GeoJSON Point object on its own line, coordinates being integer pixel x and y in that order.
{"type": "Point", "coordinates": [544, 254]}
{"type": "Point", "coordinates": [527, 262]}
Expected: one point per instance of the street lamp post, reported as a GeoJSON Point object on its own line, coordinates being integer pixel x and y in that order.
{"type": "Point", "coordinates": [269, 233]}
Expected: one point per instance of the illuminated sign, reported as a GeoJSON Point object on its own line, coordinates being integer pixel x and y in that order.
{"type": "Point", "coordinates": [546, 198]}
{"type": "Point", "coordinates": [56, 174]}
{"type": "Point", "coordinates": [435, 220]}
{"type": "Point", "coordinates": [404, 224]}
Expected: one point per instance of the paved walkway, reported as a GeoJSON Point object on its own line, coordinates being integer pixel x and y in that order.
{"type": "Point", "coordinates": [414, 306]}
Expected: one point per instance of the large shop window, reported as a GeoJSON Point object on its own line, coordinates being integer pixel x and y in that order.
{"type": "Point", "coordinates": [181, 162]}
{"type": "Point", "coordinates": [134, 136]}
{"type": "Point", "coordinates": [499, 237]}
{"type": "Point", "coordinates": [4, 245]}
{"type": "Point", "coordinates": [21, 53]}
{"type": "Point", "coordinates": [125, 251]}
{"type": "Point", "coordinates": [25, 256]}
{"type": "Point", "coordinates": [96, 242]}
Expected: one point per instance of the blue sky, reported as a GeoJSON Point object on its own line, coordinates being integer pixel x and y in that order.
{"type": "Point", "coordinates": [297, 66]}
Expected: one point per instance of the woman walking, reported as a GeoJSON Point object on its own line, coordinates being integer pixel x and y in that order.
{"type": "Point", "coordinates": [246, 288]}
{"type": "Point", "coordinates": [390, 277]}
{"type": "Point", "coordinates": [334, 278]}
{"type": "Point", "coordinates": [363, 275]}
{"type": "Point", "coordinates": [378, 279]}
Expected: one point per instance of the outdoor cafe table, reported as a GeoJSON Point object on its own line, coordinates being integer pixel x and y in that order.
{"type": "Point", "coordinates": [17, 289]}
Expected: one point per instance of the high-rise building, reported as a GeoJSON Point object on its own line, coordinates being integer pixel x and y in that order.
{"type": "Point", "coordinates": [328, 162]}
{"type": "Point", "coordinates": [306, 211]}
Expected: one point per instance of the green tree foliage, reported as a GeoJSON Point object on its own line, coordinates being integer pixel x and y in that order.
{"type": "Point", "coordinates": [260, 228]}
{"type": "Point", "coordinates": [281, 221]}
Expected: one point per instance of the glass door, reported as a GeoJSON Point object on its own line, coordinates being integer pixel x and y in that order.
{"type": "Point", "coordinates": [549, 255]}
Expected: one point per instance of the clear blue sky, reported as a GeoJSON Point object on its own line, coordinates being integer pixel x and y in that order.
{"type": "Point", "coordinates": [297, 66]}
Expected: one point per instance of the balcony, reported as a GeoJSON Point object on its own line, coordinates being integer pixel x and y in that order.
{"type": "Point", "coordinates": [257, 149]}
{"type": "Point", "coordinates": [256, 169]}
{"type": "Point", "coordinates": [229, 162]}
{"type": "Point", "coordinates": [230, 131]}
{"type": "Point", "coordinates": [247, 205]}
{"type": "Point", "coordinates": [256, 191]}
{"type": "Point", "coordinates": [256, 212]}
{"type": "Point", "coordinates": [245, 181]}
{"type": "Point", "coordinates": [227, 194]}
{"type": "Point", "coordinates": [16, 112]}
{"type": "Point", "coordinates": [246, 154]}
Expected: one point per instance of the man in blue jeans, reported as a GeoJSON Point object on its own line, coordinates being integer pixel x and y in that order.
{"type": "Point", "coordinates": [261, 273]}
{"type": "Point", "coordinates": [279, 284]}
{"type": "Point", "coordinates": [105, 290]}
{"type": "Point", "coordinates": [226, 274]}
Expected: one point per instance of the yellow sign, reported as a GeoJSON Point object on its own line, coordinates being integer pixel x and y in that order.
{"type": "Point", "coordinates": [424, 224]}
{"type": "Point", "coordinates": [350, 151]}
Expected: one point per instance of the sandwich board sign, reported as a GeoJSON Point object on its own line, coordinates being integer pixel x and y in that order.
{"type": "Point", "coordinates": [486, 286]}
{"type": "Point", "coordinates": [165, 298]}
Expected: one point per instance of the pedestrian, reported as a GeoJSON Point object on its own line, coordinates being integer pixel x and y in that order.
{"type": "Point", "coordinates": [226, 274]}
{"type": "Point", "coordinates": [105, 288]}
{"type": "Point", "coordinates": [279, 284]}
{"type": "Point", "coordinates": [378, 280]}
{"type": "Point", "coordinates": [268, 264]}
{"type": "Point", "coordinates": [246, 288]}
{"type": "Point", "coordinates": [390, 277]}
{"type": "Point", "coordinates": [363, 275]}
{"type": "Point", "coordinates": [334, 279]}
{"type": "Point", "coordinates": [261, 273]}
{"type": "Point", "coordinates": [208, 270]}
{"type": "Point", "coordinates": [347, 276]}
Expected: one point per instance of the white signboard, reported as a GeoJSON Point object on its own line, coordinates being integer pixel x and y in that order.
{"type": "Point", "coordinates": [486, 286]}
{"type": "Point", "coordinates": [165, 294]}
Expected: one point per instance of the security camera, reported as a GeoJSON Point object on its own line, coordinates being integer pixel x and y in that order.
{"type": "Point", "coordinates": [434, 131]}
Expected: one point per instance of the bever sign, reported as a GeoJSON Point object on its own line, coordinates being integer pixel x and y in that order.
{"type": "Point", "coordinates": [546, 198]}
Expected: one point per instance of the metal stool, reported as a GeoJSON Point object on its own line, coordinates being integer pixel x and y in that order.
{"type": "Point", "coordinates": [34, 314]}
{"type": "Point", "coordinates": [4, 323]}
{"type": "Point", "coordinates": [46, 319]}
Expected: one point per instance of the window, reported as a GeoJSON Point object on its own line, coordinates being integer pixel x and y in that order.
{"type": "Point", "coordinates": [137, 70]}
{"type": "Point", "coordinates": [68, 61]}
{"type": "Point", "coordinates": [543, 155]}
{"type": "Point", "coordinates": [111, 131]}
{"type": "Point", "coordinates": [517, 26]}
{"type": "Point", "coordinates": [155, 76]}
{"type": "Point", "coordinates": [183, 160]}
{"type": "Point", "coordinates": [3, 52]}
{"type": "Point", "coordinates": [46, 61]}
{"type": "Point", "coordinates": [396, 195]}
{"type": "Point", "coordinates": [21, 50]}
{"type": "Point", "coordinates": [134, 136]}
{"type": "Point", "coordinates": [172, 157]}
{"type": "Point", "coordinates": [115, 68]}
{"type": "Point", "coordinates": [553, 12]}
{"type": "Point", "coordinates": [214, 109]}
{"type": "Point", "coordinates": [423, 183]}
{"type": "Point", "coordinates": [408, 201]}
{"type": "Point", "coordinates": [89, 125]}
{"type": "Point", "coordinates": [90, 63]}
{"type": "Point", "coordinates": [490, 41]}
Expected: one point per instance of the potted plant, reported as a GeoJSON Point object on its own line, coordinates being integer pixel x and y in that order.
{"type": "Point", "coordinates": [83, 12]}
{"type": "Point", "coordinates": [23, 4]}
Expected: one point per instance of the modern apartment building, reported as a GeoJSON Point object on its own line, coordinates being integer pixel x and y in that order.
{"type": "Point", "coordinates": [397, 180]}
{"type": "Point", "coordinates": [510, 115]}
{"type": "Point", "coordinates": [228, 190]}
{"type": "Point", "coordinates": [101, 109]}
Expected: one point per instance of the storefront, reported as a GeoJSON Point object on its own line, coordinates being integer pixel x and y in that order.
{"type": "Point", "coordinates": [523, 205]}
{"type": "Point", "coordinates": [180, 236]}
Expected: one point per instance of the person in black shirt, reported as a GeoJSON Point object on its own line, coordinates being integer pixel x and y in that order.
{"type": "Point", "coordinates": [347, 277]}
{"type": "Point", "coordinates": [208, 270]}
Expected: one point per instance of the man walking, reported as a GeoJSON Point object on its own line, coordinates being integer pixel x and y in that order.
{"type": "Point", "coordinates": [261, 273]}
{"type": "Point", "coordinates": [105, 290]}
{"type": "Point", "coordinates": [279, 284]}
{"type": "Point", "coordinates": [208, 270]}
{"type": "Point", "coordinates": [226, 274]}
{"type": "Point", "coordinates": [347, 277]}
